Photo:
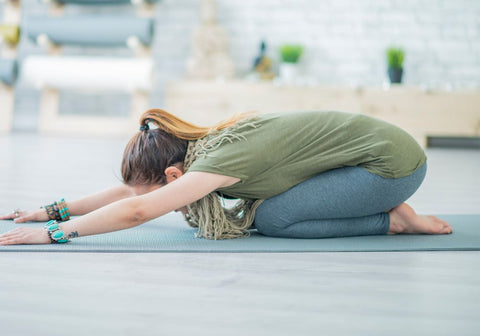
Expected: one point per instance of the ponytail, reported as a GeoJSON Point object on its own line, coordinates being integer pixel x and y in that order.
{"type": "Point", "coordinates": [182, 129]}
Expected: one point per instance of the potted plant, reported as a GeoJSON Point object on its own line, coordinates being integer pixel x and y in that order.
{"type": "Point", "coordinates": [395, 57]}
{"type": "Point", "coordinates": [290, 55]}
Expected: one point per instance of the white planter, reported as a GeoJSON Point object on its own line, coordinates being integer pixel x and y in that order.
{"type": "Point", "coordinates": [288, 72]}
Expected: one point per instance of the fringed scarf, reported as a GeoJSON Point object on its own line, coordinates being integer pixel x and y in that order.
{"type": "Point", "coordinates": [208, 214]}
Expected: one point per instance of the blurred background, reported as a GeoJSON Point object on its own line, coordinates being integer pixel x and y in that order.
{"type": "Point", "coordinates": [206, 59]}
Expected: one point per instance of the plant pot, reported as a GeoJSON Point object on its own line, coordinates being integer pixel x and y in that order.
{"type": "Point", "coordinates": [395, 75]}
{"type": "Point", "coordinates": [288, 72]}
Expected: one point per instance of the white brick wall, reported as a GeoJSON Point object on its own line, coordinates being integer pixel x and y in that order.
{"type": "Point", "coordinates": [345, 41]}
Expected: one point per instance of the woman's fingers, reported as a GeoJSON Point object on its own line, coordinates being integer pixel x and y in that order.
{"type": "Point", "coordinates": [11, 237]}
{"type": "Point", "coordinates": [15, 214]}
{"type": "Point", "coordinates": [25, 235]}
{"type": "Point", "coordinates": [24, 218]}
{"type": "Point", "coordinates": [8, 216]}
{"type": "Point", "coordinates": [11, 233]}
{"type": "Point", "coordinates": [17, 240]}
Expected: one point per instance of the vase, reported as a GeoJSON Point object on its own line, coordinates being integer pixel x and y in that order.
{"type": "Point", "coordinates": [288, 72]}
{"type": "Point", "coordinates": [395, 75]}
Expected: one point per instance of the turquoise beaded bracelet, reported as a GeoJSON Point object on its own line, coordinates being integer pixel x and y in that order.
{"type": "Point", "coordinates": [55, 234]}
{"type": "Point", "coordinates": [58, 210]}
{"type": "Point", "coordinates": [63, 210]}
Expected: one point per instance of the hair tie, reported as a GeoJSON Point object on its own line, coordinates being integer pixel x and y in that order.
{"type": "Point", "coordinates": [144, 128]}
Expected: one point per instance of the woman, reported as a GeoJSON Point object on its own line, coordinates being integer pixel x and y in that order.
{"type": "Point", "coordinates": [300, 175]}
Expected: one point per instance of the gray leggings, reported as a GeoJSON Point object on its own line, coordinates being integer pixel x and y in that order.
{"type": "Point", "coordinates": [341, 202]}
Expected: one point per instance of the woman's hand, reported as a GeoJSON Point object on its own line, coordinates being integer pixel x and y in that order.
{"type": "Point", "coordinates": [23, 216]}
{"type": "Point", "coordinates": [24, 235]}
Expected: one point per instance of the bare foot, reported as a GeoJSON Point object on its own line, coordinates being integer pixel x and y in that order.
{"type": "Point", "coordinates": [403, 219]}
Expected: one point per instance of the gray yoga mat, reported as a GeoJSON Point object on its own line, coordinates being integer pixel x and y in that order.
{"type": "Point", "coordinates": [8, 71]}
{"type": "Point", "coordinates": [171, 234]}
{"type": "Point", "coordinates": [90, 30]}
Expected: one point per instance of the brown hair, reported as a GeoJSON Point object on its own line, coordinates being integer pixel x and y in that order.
{"type": "Point", "coordinates": [151, 151]}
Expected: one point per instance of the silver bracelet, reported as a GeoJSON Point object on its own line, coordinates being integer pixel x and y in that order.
{"type": "Point", "coordinates": [56, 235]}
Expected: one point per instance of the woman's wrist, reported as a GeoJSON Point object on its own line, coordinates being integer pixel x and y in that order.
{"type": "Point", "coordinates": [41, 215]}
{"type": "Point", "coordinates": [69, 230]}
{"type": "Point", "coordinates": [55, 233]}
{"type": "Point", "coordinates": [57, 211]}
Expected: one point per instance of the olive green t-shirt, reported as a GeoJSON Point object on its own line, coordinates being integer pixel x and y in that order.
{"type": "Point", "coordinates": [285, 149]}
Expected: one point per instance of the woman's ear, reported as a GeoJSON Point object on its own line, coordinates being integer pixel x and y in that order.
{"type": "Point", "coordinates": [173, 173]}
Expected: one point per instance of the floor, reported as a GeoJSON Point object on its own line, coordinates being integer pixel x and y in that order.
{"type": "Point", "coordinates": [429, 293]}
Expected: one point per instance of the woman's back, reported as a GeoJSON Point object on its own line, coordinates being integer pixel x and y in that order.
{"type": "Point", "coordinates": [282, 150]}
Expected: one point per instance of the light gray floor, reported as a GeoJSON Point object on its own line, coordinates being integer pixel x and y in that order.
{"type": "Point", "coordinates": [429, 293]}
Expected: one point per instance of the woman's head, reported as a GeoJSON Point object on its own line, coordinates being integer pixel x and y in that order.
{"type": "Point", "coordinates": [148, 154]}
{"type": "Point", "coordinates": [152, 150]}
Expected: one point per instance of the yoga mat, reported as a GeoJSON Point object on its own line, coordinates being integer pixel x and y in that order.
{"type": "Point", "coordinates": [171, 234]}
{"type": "Point", "coordinates": [10, 33]}
{"type": "Point", "coordinates": [103, 2]}
{"type": "Point", "coordinates": [89, 30]}
{"type": "Point", "coordinates": [8, 71]}
{"type": "Point", "coordinates": [90, 74]}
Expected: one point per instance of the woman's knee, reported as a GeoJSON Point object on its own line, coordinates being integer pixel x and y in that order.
{"type": "Point", "coordinates": [269, 222]}
{"type": "Point", "coordinates": [403, 188]}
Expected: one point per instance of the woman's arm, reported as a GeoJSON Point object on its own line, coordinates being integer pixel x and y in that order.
{"type": "Point", "coordinates": [134, 211]}
{"type": "Point", "coordinates": [130, 212]}
{"type": "Point", "coordinates": [95, 201]}
{"type": "Point", "coordinates": [78, 207]}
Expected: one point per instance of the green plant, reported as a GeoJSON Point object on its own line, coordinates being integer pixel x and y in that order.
{"type": "Point", "coordinates": [395, 57]}
{"type": "Point", "coordinates": [291, 53]}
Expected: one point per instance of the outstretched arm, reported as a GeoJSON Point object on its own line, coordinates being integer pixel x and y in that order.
{"type": "Point", "coordinates": [95, 201]}
{"type": "Point", "coordinates": [78, 207]}
{"type": "Point", "coordinates": [129, 212]}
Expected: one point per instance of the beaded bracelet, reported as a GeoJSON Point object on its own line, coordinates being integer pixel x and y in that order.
{"type": "Point", "coordinates": [50, 211]}
{"type": "Point", "coordinates": [63, 210]}
{"type": "Point", "coordinates": [58, 211]}
{"type": "Point", "coordinates": [56, 235]}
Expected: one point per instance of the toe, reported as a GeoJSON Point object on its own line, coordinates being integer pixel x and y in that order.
{"type": "Point", "coordinates": [447, 229]}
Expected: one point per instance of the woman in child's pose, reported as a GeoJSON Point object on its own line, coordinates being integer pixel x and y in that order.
{"type": "Point", "coordinates": [299, 175]}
